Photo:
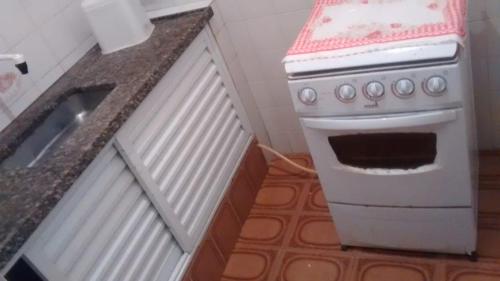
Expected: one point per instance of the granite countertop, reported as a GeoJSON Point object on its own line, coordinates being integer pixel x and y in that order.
{"type": "Point", "coordinates": [27, 195]}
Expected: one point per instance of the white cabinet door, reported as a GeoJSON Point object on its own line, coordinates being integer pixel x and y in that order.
{"type": "Point", "coordinates": [185, 140]}
{"type": "Point", "coordinates": [106, 229]}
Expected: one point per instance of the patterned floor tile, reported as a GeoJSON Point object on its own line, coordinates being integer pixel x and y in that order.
{"type": "Point", "coordinates": [316, 200]}
{"type": "Point", "coordinates": [290, 236]}
{"type": "Point", "coordinates": [280, 169]}
{"type": "Point", "coordinates": [488, 242]}
{"type": "Point", "coordinates": [489, 171]}
{"type": "Point", "coordinates": [489, 201]}
{"type": "Point", "coordinates": [393, 269]}
{"type": "Point", "coordinates": [278, 196]}
{"type": "Point", "coordinates": [491, 221]}
{"type": "Point", "coordinates": [310, 267]}
{"type": "Point", "coordinates": [249, 264]}
{"type": "Point", "coordinates": [489, 182]}
{"type": "Point", "coordinates": [264, 229]}
{"type": "Point", "coordinates": [489, 164]}
{"type": "Point", "coordinates": [476, 272]}
{"type": "Point", "coordinates": [315, 232]}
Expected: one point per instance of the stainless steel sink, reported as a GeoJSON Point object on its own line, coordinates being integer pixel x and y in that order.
{"type": "Point", "coordinates": [66, 117]}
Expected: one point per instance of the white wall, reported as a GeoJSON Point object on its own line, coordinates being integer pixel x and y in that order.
{"type": "Point", "coordinates": [262, 30]}
{"type": "Point", "coordinates": [52, 34]}
{"type": "Point", "coordinates": [232, 59]}
{"type": "Point", "coordinates": [254, 36]}
{"type": "Point", "coordinates": [484, 25]}
{"type": "Point", "coordinates": [172, 6]}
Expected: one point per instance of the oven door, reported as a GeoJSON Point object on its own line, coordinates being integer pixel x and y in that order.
{"type": "Point", "coordinates": [416, 159]}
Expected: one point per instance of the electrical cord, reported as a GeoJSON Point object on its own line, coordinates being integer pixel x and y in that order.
{"type": "Point", "coordinates": [287, 160]}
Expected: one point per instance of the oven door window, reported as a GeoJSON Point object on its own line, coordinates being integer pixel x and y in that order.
{"type": "Point", "coordinates": [386, 150]}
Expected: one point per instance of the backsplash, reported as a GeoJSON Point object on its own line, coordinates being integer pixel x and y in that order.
{"type": "Point", "coordinates": [52, 34]}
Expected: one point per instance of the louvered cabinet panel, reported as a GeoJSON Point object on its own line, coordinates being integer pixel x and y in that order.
{"type": "Point", "coordinates": [186, 139]}
{"type": "Point", "coordinates": [107, 229]}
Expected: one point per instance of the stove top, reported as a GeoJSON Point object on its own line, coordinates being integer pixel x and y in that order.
{"type": "Point", "coordinates": [353, 33]}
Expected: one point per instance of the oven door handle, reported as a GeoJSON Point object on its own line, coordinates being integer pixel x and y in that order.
{"type": "Point", "coordinates": [381, 122]}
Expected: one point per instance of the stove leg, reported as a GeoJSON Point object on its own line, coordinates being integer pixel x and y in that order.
{"type": "Point", "coordinates": [473, 256]}
{"type": "Point", "coordinates": [344, 248]}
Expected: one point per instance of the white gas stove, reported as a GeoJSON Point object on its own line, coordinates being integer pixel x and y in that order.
{"type": "Point", "coordinates": [391, 132]}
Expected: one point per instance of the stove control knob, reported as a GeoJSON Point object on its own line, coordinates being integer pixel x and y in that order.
{"type": "Point", "coordinates": [346, 93]}
{"type": "Point", "coordinates": [404, 88]}
{"type": "Point", "coordinates": [374, 90]}
{"type": "Point", "coordinates": [308, 96]}
{"type": "Point", "coordinates": [435, 85]}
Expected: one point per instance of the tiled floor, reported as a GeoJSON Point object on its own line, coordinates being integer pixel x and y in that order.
{"type": "Point", "coordinates": [289, 236]}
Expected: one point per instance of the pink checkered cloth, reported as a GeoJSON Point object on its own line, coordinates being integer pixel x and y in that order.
{"type": "Point", "coordinates": [339, 25]}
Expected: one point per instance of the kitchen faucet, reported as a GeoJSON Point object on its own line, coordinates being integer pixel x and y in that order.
{"type": "Point", "coordinates": [19, 61]}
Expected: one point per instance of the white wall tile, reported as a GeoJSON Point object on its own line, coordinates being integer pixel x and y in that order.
{"type": "Point", "coordinates": [49, 78]}
{"type": "Point", "coordinates": [484, 119]}
{"type": "Point", "coordinates": [245, 50]}
{"type": "Point", "coordinates": [479, 35]}
{"type": "Point", "coordinates": [280, 119]}
{"type": "Point", "coordinates": [278, 88]}
{"type": "Point", "coordinates": [15, 24]}
{"type": "Point", "coordinates": [66, 30]}
{"type": "Point", "coordinates": [225, 43]}
{"type": "Point", "coordinates": [4, 120]}
{"type": "Point", "coordinates": [291, 24]}
{"type": "Point", "coordinates": [480, 75]}
{"type": "Point", "coordinates": [298, 142]}
{"type": "Point", "coordinates": [265, 33]}
{"type": "Point", "coordinates": [78, 53]}
{"type": "Point", "coordinates": [485, 42]}
{"type": "Point", "coordinates": [254, 116]}
{"type": "Point", "coordinates": [492, 36]}
{"type": "Point", "coordinates": [25, 100]}
{"type": "Point", "coordinates": [3, 45]}
{"type": "Point", "coordinates": [492, 7]}
{"type": "Point", "coordinates": [285, 6]}
{"type": "Point", "coordinates": [494, 73]}
{"type": "Point", "coordinates": [261, 32]}
{"type": "Point", "coordinates": [52, 34]}
{"type": "Point", "coordinates": [482, 95]}
{"type": "Point", "coordinates": [37, 53]}
{"type": "Point", "coordinates": [477, 10]}
{"type": "Point", "coordinates": [271, 93]}
{"type": "Point", "coordinates": [281, 142]}
{"type": "Point", "coordinates": [261, 36]}
{"type": "Point", "coordinates": [216, 22]}
{"type": "Point", "coordinates": [42, 11]}
{"type": "Point", "coordinates": [271, 63]}
{"type": "Point", "coordinates": [263, 97]}
{"type": "Point", "coordinates": [183, 2]}
{"type": "Point", "coordinates": [254, 8]}
{"type": "Point", "coordinates": [230, 10]}
{"type": "Point", "coordinates": [21, 84]}
{"type": "Point", "coordinates": [158, 4]}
